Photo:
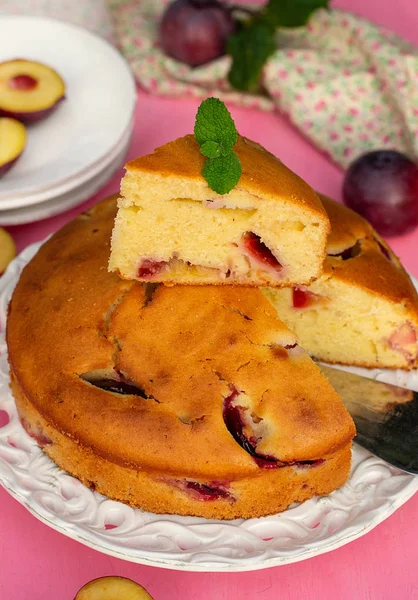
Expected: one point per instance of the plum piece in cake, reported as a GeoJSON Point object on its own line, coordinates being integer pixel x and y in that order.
{"type": "Point", "coordinates": [171, 227]}
{"type": "Point", "coordinates": [363, 310]}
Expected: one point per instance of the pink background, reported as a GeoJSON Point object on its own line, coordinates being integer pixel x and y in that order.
{"type": "Point", "coordinates": [39, 563]}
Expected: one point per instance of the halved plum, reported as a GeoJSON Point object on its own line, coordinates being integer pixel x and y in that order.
{"type": "Point", "coordinates": [112, 587]}
{"type": "Point", "coordinates": [12, 143]}
{"type": "Point", "coordinates": [29, 90]}
{"type": "Point", "coordinates": [7, 249]}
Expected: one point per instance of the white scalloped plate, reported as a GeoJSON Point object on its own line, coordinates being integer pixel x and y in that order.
{"type": "Point", "coordinates": [374, 491]}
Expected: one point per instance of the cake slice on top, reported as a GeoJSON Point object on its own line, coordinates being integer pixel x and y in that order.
{"type": "Point", "coordinates": [363, 310]}
{"type": "Point", "coordinates": [171, 227]}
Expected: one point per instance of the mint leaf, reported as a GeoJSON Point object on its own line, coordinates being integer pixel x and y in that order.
{"type": "Point", "coordinates": [255, 41]}
{"type": "Point", "coordinates": [250, 48]}
{"type": "Point", "coordinates": [223, 173]}
{"type": "Point", "coordinates": [292, 13]}
{"type": "Point", "coordinates": [215, 124]}
{"type": "Point", "coordinates": [211, 149]}
{"type": "Point", "coordinates": [216, 134]}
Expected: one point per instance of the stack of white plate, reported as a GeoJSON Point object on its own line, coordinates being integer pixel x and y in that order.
{"type": "Point", "coordinates": [75, 150]}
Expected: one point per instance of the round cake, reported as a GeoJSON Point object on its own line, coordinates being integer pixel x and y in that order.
{"type": "Point", "coordinates": [194, 400]}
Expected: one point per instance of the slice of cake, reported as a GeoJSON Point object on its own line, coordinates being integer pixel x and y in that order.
{"type": "Point", "coordinates": [363, 310]}
{"type": "Point", "coordinates": [172, 227]}
{"type": "Point", "coordinates": [193, 400]}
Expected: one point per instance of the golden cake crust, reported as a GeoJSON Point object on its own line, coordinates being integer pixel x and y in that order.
{"type": "Point", "coordinates": [262, 173]}
{"type": "Point", "coordinates": [373, 269]}
{"type": "Point", "coordinates": [187, 350]}
{"type": "Point", "coordinates": [271, 493]}
{"type": "Point", "coordinates": [347, 226]}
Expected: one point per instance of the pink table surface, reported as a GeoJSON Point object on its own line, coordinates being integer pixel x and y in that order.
{"type": "Point", "coordinates": [39, 563]}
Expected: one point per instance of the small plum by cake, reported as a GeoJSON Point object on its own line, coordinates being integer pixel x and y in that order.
{"type": "Point", "coordinates": [7, 249]}
{"type": "Point", "coordinates": [271, 229]}
{"type": "Point", "coordinates": [363, 310]}
{"type": "Point", "coordinates": [29, 90]}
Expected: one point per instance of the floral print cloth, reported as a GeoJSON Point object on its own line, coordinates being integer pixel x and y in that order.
{"type": "Point", "coordinates": [91, 14]}
{"type": "Point", "coordinates": [347, 85]}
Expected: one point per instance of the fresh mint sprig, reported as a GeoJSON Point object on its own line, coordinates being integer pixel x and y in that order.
{"type": "Point", "coordinates": [255, 40]}
{"type": "Point", "coordinates": [216, 134]}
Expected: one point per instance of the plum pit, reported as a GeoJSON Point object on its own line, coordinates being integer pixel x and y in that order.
{"type": "Point", "coordinates": [22, 82]}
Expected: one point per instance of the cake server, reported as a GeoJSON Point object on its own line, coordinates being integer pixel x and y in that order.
{"type": "Point", "coordinates": [385, 415]}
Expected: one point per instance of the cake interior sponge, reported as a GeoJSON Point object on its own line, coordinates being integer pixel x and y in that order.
{"type": "Point", "coordinates": [172, 227]}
